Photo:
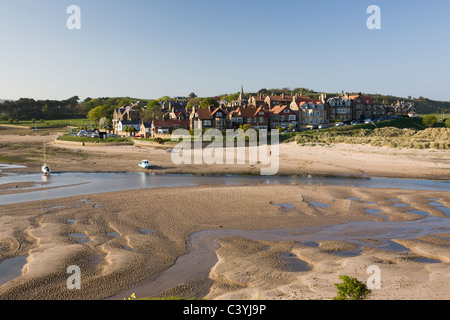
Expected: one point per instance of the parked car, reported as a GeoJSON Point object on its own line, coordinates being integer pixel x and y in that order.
{"type": "Point", "coordinates": [139, 135]}
{"type": "Point", "coordinates": [355, 122]}
{"type": "Point", "coordinates": [339, 124]}
{"type": "Point", "coordinates": [323, 126]}
{"type": "Point", "coordinates": [368, 121]}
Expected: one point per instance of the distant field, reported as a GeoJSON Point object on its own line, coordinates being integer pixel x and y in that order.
{"type": "Point", "coordinates": [437, 115]}
{"type": "Point", "coordinates": [60, 123]}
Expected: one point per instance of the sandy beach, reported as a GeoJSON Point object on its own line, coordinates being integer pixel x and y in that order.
{"type": "Point", "coordinates": [218, 242]}
{"type": "Point", "coordinates": [27, 148]}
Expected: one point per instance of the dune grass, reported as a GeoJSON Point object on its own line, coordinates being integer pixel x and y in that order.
{"type": "Point", "coordinates": [397, 133]}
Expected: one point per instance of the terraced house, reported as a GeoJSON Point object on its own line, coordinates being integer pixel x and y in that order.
{"type": "Point", "coordinates": [362, 107]}
{"type": "Point", "coordinates": [282, 116]}
{"type": "Point", "coordinates": [207, 118]}
{"type": "Point", "coordinates": [258, 118]}
{"type": "Point", "coordinates": [313, 113]}
{"type": "Point", "coordinates": [339, 108]}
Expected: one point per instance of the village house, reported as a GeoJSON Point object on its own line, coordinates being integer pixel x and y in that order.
{"type": "Point", "coordinates": [123, 127]}
{"type": "Point", "coordinates": [273, 101]}
{"type": "Point", "coordinates": [339, 108]}
{"type": "Point", "coordinates": [362, 107]}
{"type": "Point", "coordinates": [167, 126]}
{"type": "Point", "coordinates": [145, 130]}
{"type": "Point", "coordinates": [257, 118]}
{"type": "Point", "coordinates": [380, 111]}
{"type": "Point", "coordinates": [127, 113]}
{"type": "Point", "coordinates": [282, 116]}
{"type": "Point", "coordinates": [402, 108]}
{"type": "Point", "coordinates": [295, 106]}
{"type": "Point", "coordinates": [313, 114]}
{"type": "Point", "coordinates": [258, 101]}
{"type": "Point", "coordinates": [206, 118]}
{"type": "Point", "coordinates": [124, 113]}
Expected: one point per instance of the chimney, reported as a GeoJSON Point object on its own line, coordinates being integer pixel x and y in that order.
{"type": "Point", "coordinates": [282, 95]}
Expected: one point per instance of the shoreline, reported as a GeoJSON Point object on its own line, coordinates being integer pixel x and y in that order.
{"type": "Point", "coordinates": [294, 159]}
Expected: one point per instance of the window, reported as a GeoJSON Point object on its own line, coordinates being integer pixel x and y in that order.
{"type": "Point", "coordinates": [292, 118]}
{"type": "Point", "coordinates": [219, 114]}
{"type": "Point", "coordinates": [286, 110]}
{"type": "Point", "coordinates": [206, 122]}
{"type": "Point", "coordinates": [261, 119]}
{"type": "Point", "coordinates": [249, 119]}
{"type": "Point", "coordinates": [282, 118]}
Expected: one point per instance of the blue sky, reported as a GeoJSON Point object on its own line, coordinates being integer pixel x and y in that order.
{"type": "Point", "coordinates": [148, 49]}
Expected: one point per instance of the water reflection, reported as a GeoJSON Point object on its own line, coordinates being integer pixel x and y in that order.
{"type": "Point", "coordinates": [75, 184]}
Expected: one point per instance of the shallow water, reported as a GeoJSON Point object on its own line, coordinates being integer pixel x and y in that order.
{"type": "Point", "coordinates": [284, 205]}
{"type": "Point", "coordinates": [81, 237]}
{"type": "Point", "coordinates": [76, 184]}
{"type": "Point", "coordinates": [11, 269]}
{"type": "Point", "coordinates": [319, 204]}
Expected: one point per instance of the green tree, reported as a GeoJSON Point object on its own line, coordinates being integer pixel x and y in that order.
{"type": "Point", "coordinates": [429, 120]}
{"type": "Point", "coordinates": [48, 111]}
{"type": "Point", "coordinates": [193, 102]}
{"type": "Point", "coordinates": [164, 98]}
{"type": "Point", "coordinates": [152, 112]}
{"type": "Point", "coordinates": [209, 102]}
{"type": "Point", "coordinates": [192, 95]}
{"type": "Point", "coordinates": [96, 113]}
{"type": "Point", "coordinates": [351, 289]}
{"type": "Point", "coordinates": [447, 122]}
{"type": "Point", "coordinates": [233, 96]}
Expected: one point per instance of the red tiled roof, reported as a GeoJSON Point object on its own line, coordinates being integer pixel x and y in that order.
{"type": "Point", "coordinates": [203, 114]}
{"type": "Point", "coordinates": [248, 112]}
{"type": "Point", "coordinates": [280, 98]}
{"type": "Point", "coordinates": [364, 99]}
{"type": "Point", "coordinates": [279, 109]}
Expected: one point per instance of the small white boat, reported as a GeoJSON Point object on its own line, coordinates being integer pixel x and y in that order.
{"type": "Point", "coordinates": [145, 164]}
{"type": "Point", "coordinates": [46, 170]}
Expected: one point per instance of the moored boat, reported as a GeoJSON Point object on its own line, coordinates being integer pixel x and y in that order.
{"type": "Point", "coordinates": [46, 170]}
{"type": "Point", "coordinates": [145, 164]}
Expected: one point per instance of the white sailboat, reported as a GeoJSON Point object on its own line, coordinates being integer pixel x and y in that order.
{"type": "Point", "coordinates": [46, 170]}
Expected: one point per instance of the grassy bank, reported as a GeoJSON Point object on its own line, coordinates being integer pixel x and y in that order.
{"type": "Point", "coordinates": [437, 138]}
{"type": "Point", "coordinates": [93, 140]}
{"type": "Point", "coordinates": [60, 123]}
{"type": "Point", "coordinates": [397, 133]}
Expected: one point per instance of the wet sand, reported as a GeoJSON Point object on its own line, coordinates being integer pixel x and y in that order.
{"type": "Point", "coordinates": [117, 258]}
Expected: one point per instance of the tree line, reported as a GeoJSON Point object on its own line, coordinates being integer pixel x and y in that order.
{"type": "Point", "coordinates": [27, 109]}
